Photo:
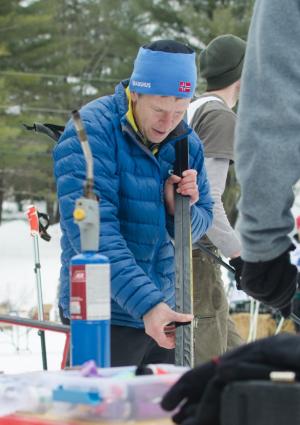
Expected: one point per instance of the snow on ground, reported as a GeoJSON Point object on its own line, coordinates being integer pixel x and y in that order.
{"type": "Point", "coordinates": [20, 350]}
{"type": "Point", "coordinates": [19, 347]}
{"type": "Point", "coordinates": [18, 285]}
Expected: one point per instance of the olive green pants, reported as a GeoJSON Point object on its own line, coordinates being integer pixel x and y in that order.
{"type": "Point", "coordinates": [214, 330]}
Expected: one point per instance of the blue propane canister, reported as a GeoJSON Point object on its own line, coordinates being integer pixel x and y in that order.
{"type": "Point", "coordinates": [90, 309]}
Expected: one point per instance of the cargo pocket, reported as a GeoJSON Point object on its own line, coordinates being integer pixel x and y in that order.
{"type": "Point", "coordinates": [210, 337]}
{"type": "Point", "coordinates": [208, 289]}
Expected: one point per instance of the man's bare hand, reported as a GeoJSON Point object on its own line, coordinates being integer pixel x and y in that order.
{"type": "Point", "coordinates": [158, 318]}
{"type": "Point", "coordinates": [186, 186]}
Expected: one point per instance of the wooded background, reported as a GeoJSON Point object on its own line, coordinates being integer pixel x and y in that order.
{"type": "Point", "coordinates": [56, 55]}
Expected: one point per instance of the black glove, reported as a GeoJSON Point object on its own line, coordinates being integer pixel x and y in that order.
{"type": "Point", "coordinates": [202, 386]}
{"type": "Point", "coordinates": [191, 386]}
{"type": "Point", "coordinates": [272, 282]}
{"type": "Point", "coordinates": [237, 264]}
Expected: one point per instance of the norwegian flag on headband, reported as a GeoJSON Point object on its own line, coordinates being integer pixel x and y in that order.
{"type": "Point", "coordinates": [184, 86]}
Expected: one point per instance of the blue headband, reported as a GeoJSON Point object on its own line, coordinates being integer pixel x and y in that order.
{"type": "Point", "coordinates": [164, 74]}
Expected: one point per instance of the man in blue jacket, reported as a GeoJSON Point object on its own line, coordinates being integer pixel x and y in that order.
{"type": "Point", "coordinates": [132, 136]}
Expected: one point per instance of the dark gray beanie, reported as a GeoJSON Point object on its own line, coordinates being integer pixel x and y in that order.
{"type": "Point", "coordinates": [221, 62]}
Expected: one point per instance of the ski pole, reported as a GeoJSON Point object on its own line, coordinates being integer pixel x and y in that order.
{"type": "Point", "coordinates": [215, 257]}
{"type": "Point", "coordinates": [33, 219]}
{"type": "Point", "coordinates": [184, 351]}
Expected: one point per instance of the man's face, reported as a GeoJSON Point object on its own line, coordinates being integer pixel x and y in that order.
{"type": "Point", "coordinates": [157, 116]}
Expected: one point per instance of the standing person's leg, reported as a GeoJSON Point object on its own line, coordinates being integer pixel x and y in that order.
{"type": "Point", "coordinates": [128, 345]}
{"type": "Point", "coordinates": [210, 309]}
{"type": "Point", "coordinates": [156, 354]}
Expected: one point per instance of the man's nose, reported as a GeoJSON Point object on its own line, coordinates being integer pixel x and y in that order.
{"type": "Point", "coordinates": [168, 119]}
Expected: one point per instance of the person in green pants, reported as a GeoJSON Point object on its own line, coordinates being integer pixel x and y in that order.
{"type": "Point", "coordinates": [213, 119]}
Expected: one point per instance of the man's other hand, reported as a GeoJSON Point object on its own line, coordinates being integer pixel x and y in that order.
{"type": "Point", "coordinates": [237, 264]}
{"type": "Point", "coordinates": [186, 186]}
{"type": "Point", "coordinates": [272, 282]}
{"type": "Point", "coordinates": [158, 318]}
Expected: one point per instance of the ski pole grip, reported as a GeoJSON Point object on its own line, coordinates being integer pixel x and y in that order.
{"type": "Point", "coordinates": [33, 220]}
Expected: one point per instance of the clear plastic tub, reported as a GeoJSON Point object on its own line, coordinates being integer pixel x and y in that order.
{"type": "Point", "coordinates": [116, 393]}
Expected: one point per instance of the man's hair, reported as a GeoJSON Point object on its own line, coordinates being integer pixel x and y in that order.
{"type": "Point", "coordinates": [170, 46]}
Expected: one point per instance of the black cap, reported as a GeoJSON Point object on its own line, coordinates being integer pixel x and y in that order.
{"type": "Point", "coordinates": [221, 62]}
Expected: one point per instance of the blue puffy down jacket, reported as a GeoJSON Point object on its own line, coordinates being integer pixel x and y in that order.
{"type": "Point", "coordinates": [135, 229]}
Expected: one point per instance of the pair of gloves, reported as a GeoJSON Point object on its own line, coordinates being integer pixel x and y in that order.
{"type": "Point", "coordinates": [198, 392]}
{"type": "Point", "coordinates": [273, 282]}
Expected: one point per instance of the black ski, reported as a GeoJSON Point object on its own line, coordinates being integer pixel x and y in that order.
{"type": "Point", "coordinates": [184, 353]}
